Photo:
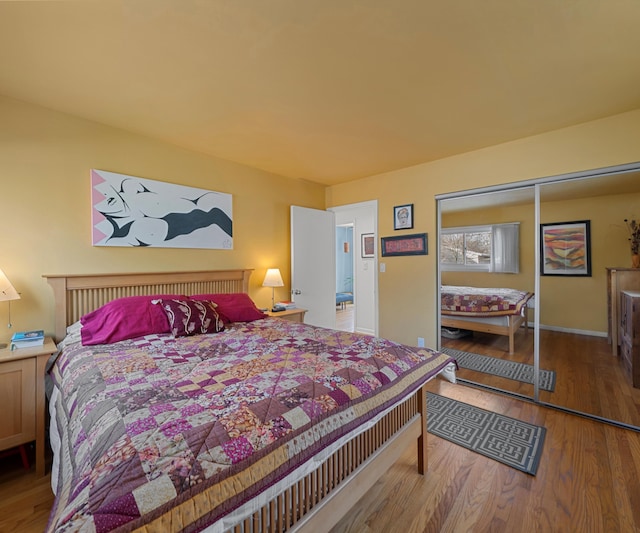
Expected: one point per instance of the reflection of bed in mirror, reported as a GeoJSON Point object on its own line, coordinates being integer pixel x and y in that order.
{"type": "Point", "coordinates": [500, 311]}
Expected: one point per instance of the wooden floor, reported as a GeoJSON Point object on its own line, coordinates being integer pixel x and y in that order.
{"type": "Point", "coordinates": [25, 500]}
{"type": "Point", "coordinates": [588, 378]}
{"type": "Point", "coordinates": [588, 480]}
{"type": "Point", "coordinates": [345, 317]}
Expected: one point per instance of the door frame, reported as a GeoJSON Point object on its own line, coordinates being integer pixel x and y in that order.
{"type": "Point", "coordinates": [367, 222]}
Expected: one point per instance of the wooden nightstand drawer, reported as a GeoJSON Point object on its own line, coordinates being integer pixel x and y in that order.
{"type": "Point", "coordinates": [22, 398]}
{"type": "Point", "coordinates": [18, 401]}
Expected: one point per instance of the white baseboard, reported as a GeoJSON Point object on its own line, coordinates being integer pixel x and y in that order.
{"type": "Point", "coordinates": [572, 330]}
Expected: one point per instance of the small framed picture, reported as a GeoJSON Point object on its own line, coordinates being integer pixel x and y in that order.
{"type": "Point", "coordinates": [565, 248]}
{"type": "Point", "coordinates": [368, 248]}
{"type": "Point", "coordinates": [403, 216]}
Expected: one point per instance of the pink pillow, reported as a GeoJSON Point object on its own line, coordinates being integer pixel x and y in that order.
{"type": "Point", "coordinates": [125, 318]}
{"type": "Point", "coordinates": [233, 307]}
{"type": "Point", "coordinates": [188, 317]}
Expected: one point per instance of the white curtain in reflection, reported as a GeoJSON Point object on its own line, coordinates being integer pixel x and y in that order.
{"type": "Point", "coordinates": [505, 256]}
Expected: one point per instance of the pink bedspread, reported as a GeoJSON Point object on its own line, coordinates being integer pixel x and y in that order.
{"type": "Point", "coordinates": [477, 301]}
{"type": "Point", "coordinates": [177, 432]}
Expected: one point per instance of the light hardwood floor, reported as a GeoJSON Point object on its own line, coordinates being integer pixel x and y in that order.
{"type": "Point", "coordinates": [589, 378]}
{"type": "Point", "coordinates": [345, 318]}
{"type": "Point", "coordinates": [25, 500]}
{"type": "Point", "coordinates": [588, 480]}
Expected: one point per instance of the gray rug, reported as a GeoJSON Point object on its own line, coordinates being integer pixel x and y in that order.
{"type": "Point", "coordinates": [505, 439]}
{"type": "Point", "coordinates": [502, 368]}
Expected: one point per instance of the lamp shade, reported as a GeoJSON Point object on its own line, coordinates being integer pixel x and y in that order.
{"type": "Point", "coordinates": [7, 292]}
{"type": "Point", "coordinates": [273, 278]}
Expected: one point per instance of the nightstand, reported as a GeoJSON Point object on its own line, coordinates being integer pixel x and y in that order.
{"type": "Point", "coordinates": [294, 315]}
{"type": "Point", "coordinates": [22, 397]}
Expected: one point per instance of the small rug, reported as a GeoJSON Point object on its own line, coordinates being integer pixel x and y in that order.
{"type": "Point", "coordinates": [505, 439]}
{"type": "Point", "coordinates": [503, 368]}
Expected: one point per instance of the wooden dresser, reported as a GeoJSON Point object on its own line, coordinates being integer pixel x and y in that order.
{"type": "Point", "coordinates": [618, 280]}
{"type": "Point", "coordinates": [630, 334]}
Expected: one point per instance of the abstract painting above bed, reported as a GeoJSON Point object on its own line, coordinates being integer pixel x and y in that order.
{"type": "Point", "coordinates": [162, 430]}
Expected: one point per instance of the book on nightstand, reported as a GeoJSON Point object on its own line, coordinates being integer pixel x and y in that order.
{"type": "Point", "coordinates": [286, 304]}
{"type": "Point", "coordinates": [27, 339]}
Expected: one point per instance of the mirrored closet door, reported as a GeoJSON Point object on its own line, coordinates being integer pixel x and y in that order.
{"type": "Point", "coordinates": [576, 337]}
{"type": "Point", "coordinates": [579, 342]}
{"type": "Point", "coordinates": [469, 252]}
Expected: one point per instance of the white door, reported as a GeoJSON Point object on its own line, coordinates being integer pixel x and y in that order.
{"type": "Point", "coordinates": [313, 264]}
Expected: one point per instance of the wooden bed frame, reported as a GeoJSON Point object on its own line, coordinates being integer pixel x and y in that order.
{"type": "Point", "coordinates": [323, 497]}
{"type": "Point", "coordinates": [514, 323]}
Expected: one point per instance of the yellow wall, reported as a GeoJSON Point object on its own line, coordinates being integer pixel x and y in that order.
{"type": "Point", "coordinates": [407, 290]}
{"type": "Point", "coordinates": [45, 159]}
{"type": "Point", "coordinates": [581, 302]}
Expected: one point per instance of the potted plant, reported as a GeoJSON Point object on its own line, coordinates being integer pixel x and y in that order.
{"type": "Point", "coordinates": [634, 239]}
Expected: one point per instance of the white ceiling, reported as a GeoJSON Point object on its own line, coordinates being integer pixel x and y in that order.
{"type": "Point", "coordinates": [326, 90]}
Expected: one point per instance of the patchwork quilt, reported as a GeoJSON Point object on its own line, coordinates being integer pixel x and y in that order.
{"type": "Point", "coordinates": [176, 432]}
{"type": "Point", "coordinates": [477, 301]}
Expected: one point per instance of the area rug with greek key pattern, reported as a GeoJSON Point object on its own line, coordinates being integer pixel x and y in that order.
{"type": "Point", "coordinates": [502, 367]}
{"type": "Point", "coordinates": [505, 439]}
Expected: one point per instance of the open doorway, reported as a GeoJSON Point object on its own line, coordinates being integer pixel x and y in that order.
{"type": "Point", "coordinates": [361, 221]}
{"type": "Point", "coordinates": [345, 308]}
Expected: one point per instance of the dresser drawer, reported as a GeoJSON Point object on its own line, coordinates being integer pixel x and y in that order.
{"type": "Point", "coordinates": [626, 354]}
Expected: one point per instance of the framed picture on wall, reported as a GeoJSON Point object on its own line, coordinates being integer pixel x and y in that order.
{"type": "Point", "coordinates": [140, 212]}
{"type": "Point", "coordinates": [403, 216]}
{"type": "Point", "coordinates": [405, 245]}
{"type": "Point", "coordinates": [565, 248]}
{"type": "Point", "coordinates": [368, 248]}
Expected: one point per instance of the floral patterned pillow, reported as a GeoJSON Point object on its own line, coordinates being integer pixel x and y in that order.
{"type": "Point", "coordinates": [189, 317]}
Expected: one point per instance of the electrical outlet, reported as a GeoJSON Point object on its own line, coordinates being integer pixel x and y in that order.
{"type": "Point", "coordinates": [420, 342]}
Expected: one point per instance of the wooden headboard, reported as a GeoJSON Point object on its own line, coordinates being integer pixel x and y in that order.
{"type": "Point", "coordinates": [78, 294]}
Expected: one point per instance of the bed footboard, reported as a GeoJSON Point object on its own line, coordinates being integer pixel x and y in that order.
{"type": "Point", "coordinates": [346, 475]}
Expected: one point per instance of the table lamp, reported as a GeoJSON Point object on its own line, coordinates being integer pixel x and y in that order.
{"type": "Point", "coordinates": [273, 279]}
{"type": "Point", "coordinates": [7, 293]}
